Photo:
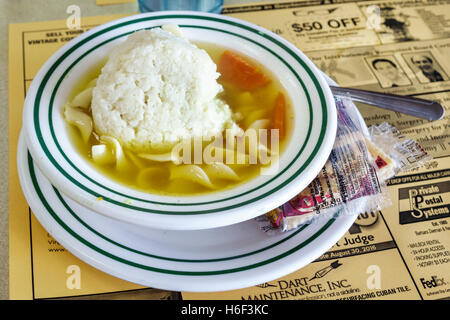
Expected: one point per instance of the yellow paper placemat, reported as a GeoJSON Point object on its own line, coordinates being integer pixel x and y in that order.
{"type": "Point", "coordinates": [39, 266]}
{"type": "Point", "coordinates": [107, 2]}
{"type": "Point", "coordinates": [400, 253]}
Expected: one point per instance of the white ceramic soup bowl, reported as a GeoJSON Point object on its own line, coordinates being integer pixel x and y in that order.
{"type": "Point", "coordinates": [305, 154]}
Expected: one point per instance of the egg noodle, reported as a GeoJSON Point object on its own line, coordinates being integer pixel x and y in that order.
{"type": "Point", "coordinates": [248, 148]}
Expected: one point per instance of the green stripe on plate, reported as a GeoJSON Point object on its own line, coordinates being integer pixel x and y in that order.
{"type": "Point", "coordinates": [69, 209]}
{"type": "Point", "coordinates": [107, 254]}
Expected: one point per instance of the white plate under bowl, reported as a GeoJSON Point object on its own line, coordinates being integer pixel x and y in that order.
{"type": "Point", "coordinates": [308, 149]}
{"type": "Point", "coordinates": [225, 258]}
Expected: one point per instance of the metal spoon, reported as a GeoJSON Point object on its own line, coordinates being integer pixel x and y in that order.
{"type": "Point", "coordinates": [425, 109]}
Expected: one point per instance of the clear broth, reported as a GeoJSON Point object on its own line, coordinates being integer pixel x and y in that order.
{"type": "Point", "coordinates": [159, 182]}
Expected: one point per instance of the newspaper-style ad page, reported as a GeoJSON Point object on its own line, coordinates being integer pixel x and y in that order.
{"type": "Point", "coordinates": [415, 68]}
{"type": "Point", "coordinates": [401, 252]}
{"type": "Point", "coordinates": [400, 47]}
{"type": "Point", "coordinates": [315, 25]}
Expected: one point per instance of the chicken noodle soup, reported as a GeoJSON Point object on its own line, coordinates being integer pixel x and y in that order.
{"type": "Point", "coordinates": [250, 106]}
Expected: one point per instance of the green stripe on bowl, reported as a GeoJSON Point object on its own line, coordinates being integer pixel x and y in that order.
{"type": "Point", "coordinates": [127, 205]}
{"type": "Point", "coordinates": [107, 254]}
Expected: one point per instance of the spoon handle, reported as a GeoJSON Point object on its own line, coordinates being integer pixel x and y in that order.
{"type": "Point", "coordinates": [425, 109]}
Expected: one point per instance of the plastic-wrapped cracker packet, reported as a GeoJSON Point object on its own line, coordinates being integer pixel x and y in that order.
{"type": "Point", "coordinates": [353, 179]}
{"type": "Point", "coordinates": [347, 181]}
{"type": "Point", "coordinates": [393, 152]}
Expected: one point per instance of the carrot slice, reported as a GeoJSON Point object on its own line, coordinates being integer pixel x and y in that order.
{"type": "Point", "coordinates": [279, 114]}
{"type": "Point", "coordinates": [239, 72]}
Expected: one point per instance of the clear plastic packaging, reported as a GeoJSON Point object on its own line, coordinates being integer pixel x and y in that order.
{"type": "Point", "coordinates": [353, 179]}
{"type": "Point", "coordinates": [393, 152]}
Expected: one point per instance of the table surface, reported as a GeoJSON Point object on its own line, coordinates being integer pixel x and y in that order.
{"type": "Point", "coordinates": [25, 11]}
